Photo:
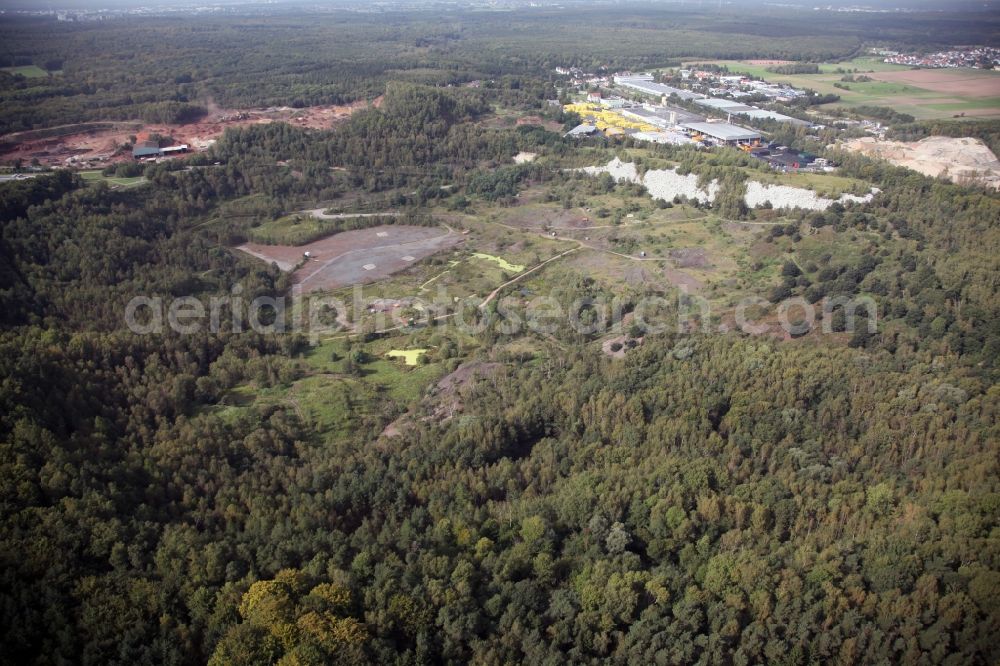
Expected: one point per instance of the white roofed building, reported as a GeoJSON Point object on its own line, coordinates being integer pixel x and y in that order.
{"type": "Point", "coordinates": [723, 133]}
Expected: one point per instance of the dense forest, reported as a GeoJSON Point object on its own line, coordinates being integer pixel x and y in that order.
{"type": "Point", "coordinates": [165, 69]}
{"type": "Point", "coordinates": [709, 498]}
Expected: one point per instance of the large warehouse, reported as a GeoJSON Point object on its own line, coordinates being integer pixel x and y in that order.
{"type": "Point", "coordinates": [723, 133]}
{"type": "Point", "coordinates": [729, 106]}
{"type": "Point", "coordinates": [664, 116]}
{"type": "Point", "coordinates": [647, 86]}
{"type": "Point", "coordinates": [147, 149]}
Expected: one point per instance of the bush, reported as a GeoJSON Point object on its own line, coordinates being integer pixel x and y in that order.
{"type": "Point", "coordinates": [779, 293]}
{"type": "Point", "coordinates": [790, 269]}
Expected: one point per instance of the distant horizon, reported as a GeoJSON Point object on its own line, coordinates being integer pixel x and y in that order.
{"type": "Point", "coordinates": [883, 5]}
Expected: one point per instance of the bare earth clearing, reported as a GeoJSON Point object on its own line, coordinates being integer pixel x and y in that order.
{"type": "Point", "coordinates": [102, 141]}
{"type": "Point", "coordinates": [964, 160]}
{"type": "Point", "coordinates": [355, 257]}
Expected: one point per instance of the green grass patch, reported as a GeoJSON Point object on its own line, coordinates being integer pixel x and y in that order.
{"type": "Point", "coordinates": [327, 403]}
{"type": "Point", "coordinates": [28, 71]}
{"type": "Point", "coordinates": [828, 247]}
{"type": "Point", "coordinates": [400, 382]}
{"type": "Point", "coordinates": [970, 105]}
{"type": "Point", "coordinates": [295, 229]}
{"type": "Point", "coordinates": [97, 177]}
{"type": "Point", "coordinates": [302, 228]}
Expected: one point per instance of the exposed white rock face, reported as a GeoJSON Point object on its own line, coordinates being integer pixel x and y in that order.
{"type": "Point", "coordinates": [667, 183]}
{"type": "Point", "coordinates": [619, 170]}
{"type": "Point", "coordinates": [661, 183]}
{"type": "Point", "coordinates": [784, 196]}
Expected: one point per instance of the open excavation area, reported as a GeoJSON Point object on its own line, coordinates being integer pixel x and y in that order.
{"type": "Point", "coordinates": [963, 161]}
{"type": "Point", "coordinates": [355, 257]}
{"type": "Point", "coordinates": [100, 143]}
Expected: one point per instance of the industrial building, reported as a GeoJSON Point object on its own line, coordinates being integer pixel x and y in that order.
{"type": "Point", "coordinates": [674, 138]}
{"type": "Point", "coordinates": [147, 149]}
{"type": "Point", "coordinates": [644, 116]}
{"type": "Point", "coordinates": [729, 106]}
{"type": "Point", "coordinates": [724, 134]}
{"type": "Point", "coordinates": [582, 131]}
{"type": "Point", "coordinates": [614, 103]}
{"type": "Point", "coordinates": [664, 117]}
{"type": "Point", "coordinates": [647, 86]}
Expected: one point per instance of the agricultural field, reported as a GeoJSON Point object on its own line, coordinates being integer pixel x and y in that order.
{"type": "Point", "coordinates": [925, 94]}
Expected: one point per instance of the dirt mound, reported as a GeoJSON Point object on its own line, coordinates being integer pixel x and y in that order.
{"type": "Point", "coordinates": [451, 384]}
{"type": "Point", "coordinates": [964, 161]}
{"type": "Point", "coordinates": [446, 396]}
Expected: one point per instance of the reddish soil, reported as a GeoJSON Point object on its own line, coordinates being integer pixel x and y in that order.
{"type": "Point", "coordinates": [100, 146]}
{"type": "Point", "coordinates": [355, 257]}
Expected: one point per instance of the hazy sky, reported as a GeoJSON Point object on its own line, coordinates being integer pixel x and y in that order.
{"type": "Point", "coordinates": [974, 5]}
